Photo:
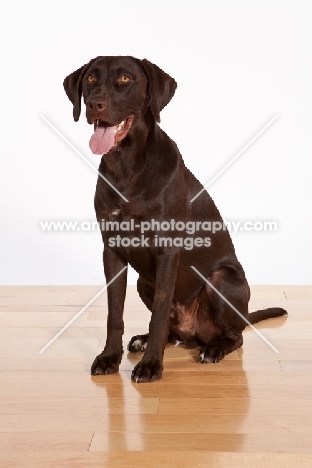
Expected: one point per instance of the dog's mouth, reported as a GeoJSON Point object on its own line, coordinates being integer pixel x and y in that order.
{"type": "Point", "coordinates": [106, 136]}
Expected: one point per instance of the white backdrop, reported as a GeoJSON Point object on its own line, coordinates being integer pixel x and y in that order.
{"type": "Point", "coordinates": [237, 64]}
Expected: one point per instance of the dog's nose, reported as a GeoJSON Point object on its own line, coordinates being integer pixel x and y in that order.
{"type": "Point", "coordinates": [97, 105]}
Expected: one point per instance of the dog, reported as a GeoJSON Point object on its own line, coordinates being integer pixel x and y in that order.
{"type": "Point", "coordinates": [143, 181]}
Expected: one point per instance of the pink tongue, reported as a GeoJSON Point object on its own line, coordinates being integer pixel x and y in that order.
{"type": "Point", "coordinates": [102, 140]}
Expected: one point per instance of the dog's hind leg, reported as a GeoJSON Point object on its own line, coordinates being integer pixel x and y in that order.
{"type": "Point", "coordinates": [232, 285]}
{"type": "Point", "coordinates": [138, 343]}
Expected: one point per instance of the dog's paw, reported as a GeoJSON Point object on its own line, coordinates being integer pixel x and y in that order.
{"type": "Point", "coordinates": [106, 364]}
{"type": "Point", "coordinates": [147, 371]}
{"type": "Point", "coordinates": [208, 354]}
{"type": "Point", "coordinates": [138, 343]}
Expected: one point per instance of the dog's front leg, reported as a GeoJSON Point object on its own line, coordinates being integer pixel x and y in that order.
{"type": "Point", "coordinates": [108, 361]}
{"type": "Point", "coordinates": [151, 366]}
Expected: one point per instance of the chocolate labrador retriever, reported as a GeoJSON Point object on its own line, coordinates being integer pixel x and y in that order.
{"type": "Point", "coordinates": [145, 194]}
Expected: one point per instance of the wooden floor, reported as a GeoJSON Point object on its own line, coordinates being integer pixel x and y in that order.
{"type": "Point", "coordinates": [254, 409]}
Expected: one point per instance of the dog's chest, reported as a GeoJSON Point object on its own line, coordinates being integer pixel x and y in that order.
{"type": "Point", "coordinates": [127, 234]}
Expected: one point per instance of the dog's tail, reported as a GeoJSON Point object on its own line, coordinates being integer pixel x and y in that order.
{"type": "Point", "coordinates": [272, 312]}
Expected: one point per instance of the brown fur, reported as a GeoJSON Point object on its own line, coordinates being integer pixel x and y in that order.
{"type": "Point", "coordinates": [147, 168]}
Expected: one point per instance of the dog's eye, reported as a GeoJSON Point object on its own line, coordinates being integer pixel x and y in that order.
{"type": "Point", "coordinates": [124, 79]}
{"type": "Point", "coordinates": [91, 79]}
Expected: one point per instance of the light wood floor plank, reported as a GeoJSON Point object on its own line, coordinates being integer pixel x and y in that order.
{"type": "Point", "coordinates": [297, 366]}
{"type": "Point", "coordinates": [82, 406]}
{"type": "Point", "coordinates": [235, 406]}
{"type": "Point", "coordinates": [270, 378]}
{"type": "Point", "coordinates": [44, 442]}
{"type": "Point", "coordinates": [156, 459]}
{"type": "Point", "coordinates": [119, 390]}
{"type": "Point", "coordinates": [156, 442]}
{"type": "Point", "coordinates": [176, 423]}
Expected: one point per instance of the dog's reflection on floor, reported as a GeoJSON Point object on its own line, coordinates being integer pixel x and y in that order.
{"type": "Point", "coordinates": [183, 410]}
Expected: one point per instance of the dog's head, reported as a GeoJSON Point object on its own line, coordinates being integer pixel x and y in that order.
{"type": "Point", "coordinates": [117, 91]}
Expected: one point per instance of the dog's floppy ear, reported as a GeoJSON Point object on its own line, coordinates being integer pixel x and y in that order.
{"type": "Point", "coordinates": [161, 87]}
{"type": "Point", "coordinates": [73, 88]}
